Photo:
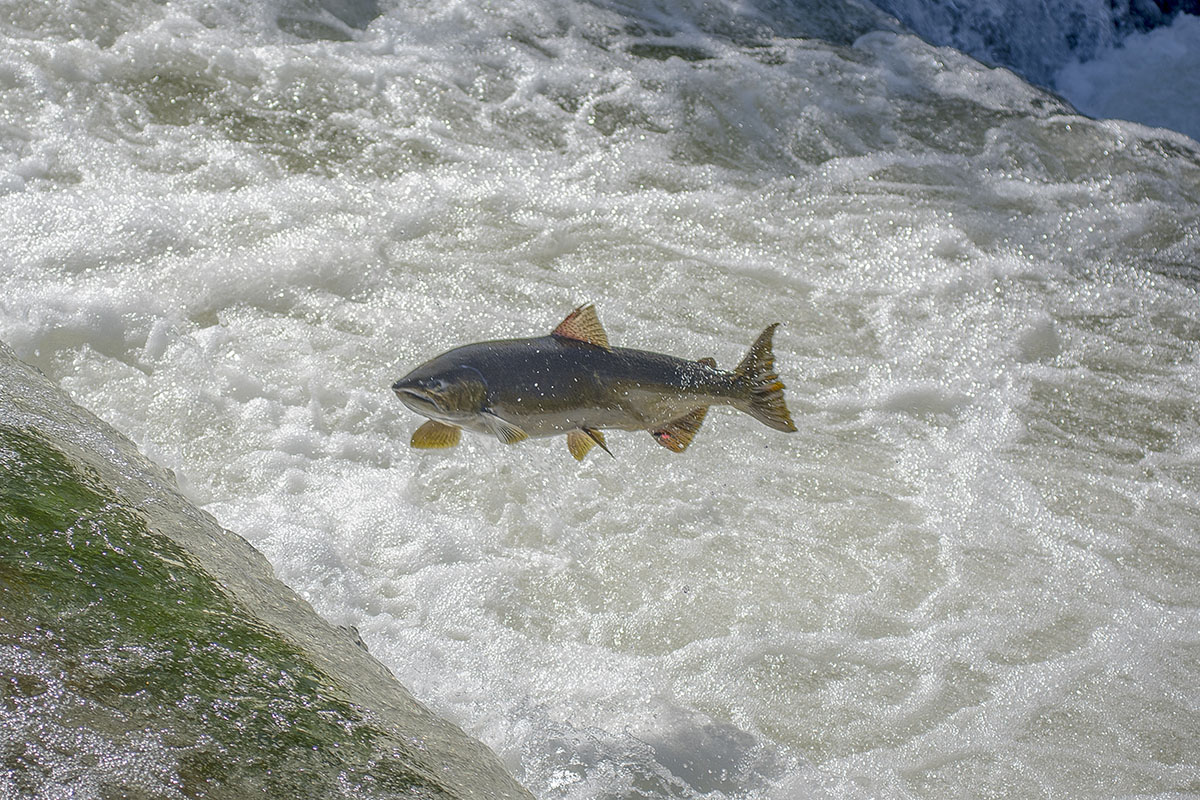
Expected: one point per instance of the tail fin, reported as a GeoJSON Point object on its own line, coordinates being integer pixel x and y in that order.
{"type": "Point", "coordinates": [757, 372]}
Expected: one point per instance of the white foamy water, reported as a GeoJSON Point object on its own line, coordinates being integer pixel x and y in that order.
{"type": "Point", "coordinates": [227, 229]}
{"type": "Point", "coordinates": [1109, 58]}
{"type": "Point", "coordinates": [1151, 77]}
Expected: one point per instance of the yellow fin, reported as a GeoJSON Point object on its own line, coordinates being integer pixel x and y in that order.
{"type": "Point", "coordinates": [505, 431]}
{"type": "Point", "coordinates": [757, 374]}
{"type": "Point", "coordinates": [579, 443]}
{"type": "Point", "coordinates": [434, 435]}
{"type": "Point", "coordinates": [583, 325]}
{"type": "Point", "coordinates": [677, 434]}
{"type": "Point", "coordinates": [598, 438]}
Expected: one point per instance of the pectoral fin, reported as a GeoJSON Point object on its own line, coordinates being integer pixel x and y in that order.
{"type": "Point", "coordinates": [581, 441]}
{"type": "Point", "coordinates": [434, 435]}
{"type": "Point", "coordinates": [677, 434]}
{"type": "Point", "coordinates": [505, 431]}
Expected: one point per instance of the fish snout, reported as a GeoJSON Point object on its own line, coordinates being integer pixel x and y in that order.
{"type": "Point", "coordinates": [414, 393]}
{"type": "Point", "coordinates": [442, 394]}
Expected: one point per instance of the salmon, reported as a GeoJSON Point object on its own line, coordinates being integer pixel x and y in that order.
{"type": "Point", "coordinates": [574, 382]}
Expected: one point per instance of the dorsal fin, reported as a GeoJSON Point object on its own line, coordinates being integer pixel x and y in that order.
{"type": "Point", "coordinates": [583, 325]}
{"type": "Point", "coordinates": [709, 362]}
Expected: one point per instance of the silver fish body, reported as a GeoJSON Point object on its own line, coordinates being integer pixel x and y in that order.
{"type": "Point", "coordinates": [573, 382]}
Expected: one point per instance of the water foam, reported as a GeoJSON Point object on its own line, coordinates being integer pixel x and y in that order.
{"type": "Point", "coordinates": [1128, 60]}
{"type": "Point", "coordinates": [1149, 77]}
{"type": "Point", "coordinates": [240, 238]}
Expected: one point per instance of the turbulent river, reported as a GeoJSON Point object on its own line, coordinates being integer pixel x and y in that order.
{"type": "Point", "coordinates": [226, 228]}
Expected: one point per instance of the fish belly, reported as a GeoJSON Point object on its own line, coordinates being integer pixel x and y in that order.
{"type": "Point", "coordinates": [629, 409]}
{"type": "Point", "coordinates": [546, 387]}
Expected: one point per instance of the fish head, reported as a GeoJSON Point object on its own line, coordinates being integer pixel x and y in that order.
{"type": "Point", "coordinates": [447, 392]}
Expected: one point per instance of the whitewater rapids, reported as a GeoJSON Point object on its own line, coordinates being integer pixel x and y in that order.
{"type": "Point", "coordinates": [226, 228]}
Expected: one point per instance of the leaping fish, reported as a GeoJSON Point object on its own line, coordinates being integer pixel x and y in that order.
{"type": "Point", "coordinates": [574, 382]}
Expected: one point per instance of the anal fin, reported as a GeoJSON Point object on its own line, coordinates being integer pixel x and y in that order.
{"type": "Point", "coordinates": [434, 435]}
{"type": "Point", "coordinates": [677, 434]}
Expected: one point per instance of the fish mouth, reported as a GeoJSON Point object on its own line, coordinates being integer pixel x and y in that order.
{"type": "Point", "coordinates": [410, 394]}
{"type": "Point", "coordinates": [408, 391]}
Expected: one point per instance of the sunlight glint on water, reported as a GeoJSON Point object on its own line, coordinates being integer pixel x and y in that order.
{"type": "Point", "coordinates": [974, 566]}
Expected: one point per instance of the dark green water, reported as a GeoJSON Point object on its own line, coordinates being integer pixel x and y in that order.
{"type": "Point", "coordinates": [128, 670]}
